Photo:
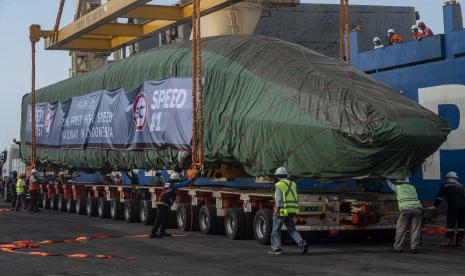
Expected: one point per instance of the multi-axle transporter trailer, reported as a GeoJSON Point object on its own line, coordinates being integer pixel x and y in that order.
{"type": "Point", "coordinates": [238, 213]}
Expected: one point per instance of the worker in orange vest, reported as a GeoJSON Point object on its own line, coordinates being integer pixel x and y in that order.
{"type": "Point", "coordinates": [394, 38]}
{"type": "Point", "coordinates": [416, 35]}
{"type": "Point", "coordinates": [34, 190]}
{"type": "Point", "coordinates": [425, 30]}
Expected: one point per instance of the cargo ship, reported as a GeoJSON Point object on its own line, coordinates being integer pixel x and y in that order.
{"type": "Point", "coordinates": [431, 72]}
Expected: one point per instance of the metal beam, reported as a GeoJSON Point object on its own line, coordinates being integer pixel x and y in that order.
{"type": "Point", "coordinates": [117, 29]}
{"type": "Point", "coordinates": [95, 32]}
{"type": "Point", "coordinates": [89, 44]}
{"type": "Point", "coordinates": [156, 12]}
{"type": "Point", "coordinates": [94, 19]}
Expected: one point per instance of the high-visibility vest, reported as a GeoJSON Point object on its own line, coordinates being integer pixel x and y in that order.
{"type": "Point", "coordinates": [407, 197]}
{"type": "Point", "coordinates": [290, 200]}
{"type": "Point", "coordinates": [19, 186]}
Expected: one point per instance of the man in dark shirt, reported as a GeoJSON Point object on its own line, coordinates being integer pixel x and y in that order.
{"type": "Point", "coordinates": [165, 201]}
{"type": "Point", "coordinates": [454, 193]}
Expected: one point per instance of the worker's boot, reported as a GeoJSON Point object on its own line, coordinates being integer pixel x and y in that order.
{"type": "Point", "coordinates": [448, 242]}
{"type": "Point", "coordinates": [459, 239]}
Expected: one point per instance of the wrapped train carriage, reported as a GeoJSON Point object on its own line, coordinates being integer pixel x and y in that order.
{"type": "Point", "coordinates": [267, 103]}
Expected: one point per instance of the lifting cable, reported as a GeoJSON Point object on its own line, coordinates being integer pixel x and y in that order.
{"type": "Point", "coordinates": [58, 18]}
{"type": "Point", "coordinates": [197, 83]}
{"type": "Point", "coordinates": [33, 106]}
{"type": "Point", "coordinates": [33, 83]}
{"type": "Point", "coordinates": [197, 101]}
{"type": "Point", "coordinates": [346, 15]}
{"type": "Point", "coordinates": [344, 47]}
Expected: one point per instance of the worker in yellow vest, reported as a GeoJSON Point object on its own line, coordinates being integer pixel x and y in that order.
{"type": "Point", "coordinates": [20, 192]}
{"type": "Point", "coordinates": [286, 207]}
{"type": "Point", "coordinates": [410, 215]}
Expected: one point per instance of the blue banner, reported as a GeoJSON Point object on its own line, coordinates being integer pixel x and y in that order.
{"type": "Point", "coordinates": [155, 115]}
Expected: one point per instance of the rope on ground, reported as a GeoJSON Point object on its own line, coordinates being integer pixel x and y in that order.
{"type": "Point", "coordinates": [14, 247]}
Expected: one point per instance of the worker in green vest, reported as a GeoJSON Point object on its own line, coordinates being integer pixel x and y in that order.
{"type": "Point", "coordinates": [20, 192]}
{"type": "Point", "coordinates": [286, 207]}
{"type": "Point", "coordinates": [410, 215]}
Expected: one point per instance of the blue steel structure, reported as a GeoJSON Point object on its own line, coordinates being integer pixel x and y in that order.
{"type": "Point", "coordinates": [431, 72]}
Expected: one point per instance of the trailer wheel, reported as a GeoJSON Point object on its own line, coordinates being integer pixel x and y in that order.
{"type": "Point", "coordinates": [80, 206]}
{"type": "Point", "coordinates": [116, 209]}
{"type": "Point", "coordinates": [130, 212]}
{"type": "Point", "coordinates": [61, 203]}
{"type": "Point", "coordinates": [91, 207]}
{"type": "Point", "coordinates": [70, 207]}
{"type": "Point", "coordinates": [45, 201]}
{"type": "Point", "coordinates": [187, 217]}
{"type": "Point", "coordinates": [54, 202]}
{"type": "Point", "coordinates": [235, 224]}
{"type": "Point", "coordinates": [209, 222]}
{"type": "Point", "coordinates": [146, 212]}
{"type": "Point", "coordinates": [103, 208]}
{"type": "Point", "coordinates": [263, 225]}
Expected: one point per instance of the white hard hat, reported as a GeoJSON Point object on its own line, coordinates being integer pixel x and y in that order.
{"type": "Point", "coordinates": [376, 39]}
{"type": "Point", "coordinates": [391, 31]}
{"type": "Point", "coordinates": [414, 27]}
{"type": "Point", "coordinates": [452, 175]}
{"type": "Point", "coordinates": [280, 171]}
{"type": "Point", "coordinates": [175, 176]}
{"type": "Point", "coordinates": [33, 171]}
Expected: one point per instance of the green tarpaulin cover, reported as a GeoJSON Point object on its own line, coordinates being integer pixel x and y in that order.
{"type": "Point", "coordinates": [269, 103]}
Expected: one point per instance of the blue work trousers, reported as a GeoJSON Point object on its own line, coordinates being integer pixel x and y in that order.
{"type": "Point", "coordinates": [278, 222]}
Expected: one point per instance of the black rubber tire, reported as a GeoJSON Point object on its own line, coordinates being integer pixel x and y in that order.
{"type": "Point", "coordinates": [235, 224]}
{"type": "Point", "coordinates": [116, 209]}
{"type": "Point", "coordinates": [70, 205]}
{"type": "Point", "coordinates": [80, 206]}
{"type": "Point", "coordinates": [54, 202]}
{"type": "Point", "coordinates": [146, 212]}
{"type": "Point", "coordinates": [262, 226]}
{"type": "Point", "coordinates": [62, 203]}
{"type": "Point", "coordinates": [130, 211]}
{"type": "Point", "coordinates": [187, 217]}
{"type": "Point", "coordinates": [91, 206]}
{"type": "Point", "coordinates": [45, 201]}
{"type": "Point", "coordinates": [103, 208]}
{"type": "Point", "coordinates": [209, 222]}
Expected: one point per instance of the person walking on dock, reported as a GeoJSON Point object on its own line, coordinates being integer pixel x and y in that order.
{"type": "Point", "coordinates": [453, 191]}
{"type": "Point", "coordinates": [286, 207]}
{"type": "Point", "coordinates": [20, 192]}
{"type": "Point", "coordinates": [166, 200]}
{"type": "Point", "coordinates": [410, 215]}
{"type": "Point", "coordinates": [34, 190]}
{"type": "Point", "coordinates": [12, 187]}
